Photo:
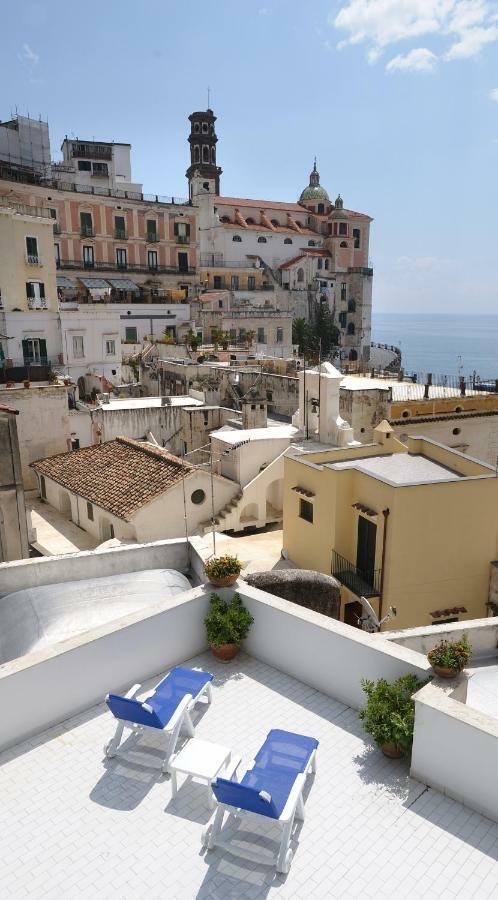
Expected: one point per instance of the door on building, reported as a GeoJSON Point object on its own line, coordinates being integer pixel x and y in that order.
{"type": "Point", "coordinates": [365, 549]}
{"type": "Point", "coordinates": [183, 262]}
{"type": "Point", "coordinates": [34, 351]}
{"type": "Point", "coordinates": [352, 613]}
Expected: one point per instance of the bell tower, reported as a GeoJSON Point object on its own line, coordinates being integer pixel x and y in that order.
{"type": "Point", "coordinates": [203, 140]}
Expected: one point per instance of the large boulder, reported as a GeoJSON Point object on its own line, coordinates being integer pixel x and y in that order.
{"type": "Point", "coordinates": [302, 586]}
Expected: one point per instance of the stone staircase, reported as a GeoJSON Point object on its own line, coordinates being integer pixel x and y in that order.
{"type": "Point", "coordinates": [222, 515]}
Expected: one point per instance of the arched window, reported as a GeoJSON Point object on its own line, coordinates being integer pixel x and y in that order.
{"type": "Point", "coordinates": [274, 223]}
{"type": "Point", "coordinates": [288, 241]}
{"type": "Point", "coordinates": [197, 154]}
{"type": "Point", "coordinates": [204, 128]}
{"type": "Point", "coordinates": [213, 155]}
{"type": "Point", "coordinates": [300, 274]}
{"type": "Point", "coordinates": [225, 219]}
{"type": "Point", "coordinates": [237, 238]}
{"type": "Point", "coordinates": [343, 244]}
{"type": "Point", "coordinates": [205, 154]}
{"type": "Point", "coordinates": [320, 209]}
{"type": "Point", "coordinates": [250, 221]}
{"type": "Point", "coordinates": [196, 127]}
{"type": "Point", "coordinates": [261, 240]}
{"type": "Point", "coordinates": [311, 243]}
{"type": "Point", "coordinates": [350, 327]}
{"type": "Point", "coordinates": [351, 306]}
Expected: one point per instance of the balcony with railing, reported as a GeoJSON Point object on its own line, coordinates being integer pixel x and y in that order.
{"type": "Point", "coordinates": [211, 261]}
{"type": "Point", "coordinates": [151, 237]}
{"type": "Point", "coordinates": [182, 239]}
{"type": "Point", "coordinates": [91, 151]}
{"type": "Point", "coordinates": [120, 234]}
{"type": "Point", "coordinates": [361, 583]}
{"type": "Point", "coordinates": [37, 302]}
{"type": "Point", "coordinates": [32, 259]}
{"type": "Point", "coordinates": [99, 266]}
{"type": "Point", "coordinates": [87, 231]}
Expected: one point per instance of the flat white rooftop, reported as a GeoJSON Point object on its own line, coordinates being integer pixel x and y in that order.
{"type": "Point", "coordinates": [148, 402]}
{"type": "Point", "coordinates": [401, 390]}
{"type": "Point", "coordinates": [400, 469]}
{"type": "Point", "coordinates": [72, 825]}
{"type": "Point", "coordinates": [235, 435]}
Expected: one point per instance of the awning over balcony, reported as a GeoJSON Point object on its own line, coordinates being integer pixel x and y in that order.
{"type": "Point", "coordinates": [64, 282]}
{"type": "Point", "coordinates": [123, 284]}
{"type": "Point", "coordinates": [95, 284]}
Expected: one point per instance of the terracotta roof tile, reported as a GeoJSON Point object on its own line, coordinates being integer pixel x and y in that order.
{"type": "Point", "coordinates": [282, 229]}
{"type": "Point", "coordinates": [120, 476]}
{"type": "Point", "coordinates": [9, 409]}
{"type": "Point", "coordinates": [291, 262]}
{"type": "Point", "coordinates": [260, 204]}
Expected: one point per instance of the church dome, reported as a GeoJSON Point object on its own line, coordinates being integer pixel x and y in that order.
{"type": "Point", "coordinates": [314, 191]}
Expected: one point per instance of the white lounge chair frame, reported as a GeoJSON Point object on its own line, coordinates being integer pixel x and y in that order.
{"type": "Point", "coordinates": [293, 809]}
{"type": "Point", "coordinates": [181, 719]}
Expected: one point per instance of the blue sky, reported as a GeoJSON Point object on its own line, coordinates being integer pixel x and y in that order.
{"type": "Point", "coordinates": [395, 98]}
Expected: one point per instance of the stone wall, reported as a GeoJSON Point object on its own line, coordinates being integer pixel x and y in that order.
{"type": "Point", "coordinates": [364, 409]}
{"type": "Point", "coordinates": [43, 424]}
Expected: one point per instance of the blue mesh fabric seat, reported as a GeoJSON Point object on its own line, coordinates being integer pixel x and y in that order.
{"type": "Point", "coordinates": [273, 785]}
{"type": "Point", "coordinates": [167, 708]}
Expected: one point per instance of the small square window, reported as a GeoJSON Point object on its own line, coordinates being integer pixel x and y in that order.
{"type": "Point", "coordinates": [305, 510]}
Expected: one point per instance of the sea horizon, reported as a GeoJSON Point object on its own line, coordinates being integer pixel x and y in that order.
{"type": "Point", "coordinates": [442, 343]}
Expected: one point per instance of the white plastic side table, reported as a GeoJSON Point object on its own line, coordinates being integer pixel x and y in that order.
{"type": "Point", "coordinates": [202, 760]}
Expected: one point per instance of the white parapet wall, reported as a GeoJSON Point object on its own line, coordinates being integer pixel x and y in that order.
{"type": "Point", "coordinates": [482, 633]}
{"type": "Point", "coordinates": [170, 554]}
{"type": "Point", "coordinates": [455, 748]}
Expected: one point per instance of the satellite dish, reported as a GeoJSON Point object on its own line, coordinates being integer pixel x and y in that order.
{"type": "Point", "coordinates": [367, 606]}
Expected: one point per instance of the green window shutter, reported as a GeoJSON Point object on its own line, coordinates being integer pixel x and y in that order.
{"type": "Point", "coordinates": [43, 348]}
{"type": "Point", "coordinates": [187, 232]}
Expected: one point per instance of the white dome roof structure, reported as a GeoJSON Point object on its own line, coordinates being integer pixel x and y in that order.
{"type": "Point", "coordinates": [38, 617]}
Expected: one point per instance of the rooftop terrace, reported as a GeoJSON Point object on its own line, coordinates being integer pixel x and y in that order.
{"type": "Point", "coordinates": [74, 824]}
{"type": "Point", "coordinates": [77, 824]}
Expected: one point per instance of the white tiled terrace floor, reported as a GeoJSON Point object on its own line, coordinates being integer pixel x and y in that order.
{"type": "Point", "coordinates": [72, 825]}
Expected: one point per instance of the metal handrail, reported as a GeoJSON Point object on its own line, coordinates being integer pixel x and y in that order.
{"type": "Point", "coordinates": [131, 267]}
{"type": "Point", "coordinates": [360, 582]}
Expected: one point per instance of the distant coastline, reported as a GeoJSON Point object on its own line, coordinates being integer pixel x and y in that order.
{"type": "Point", "coordinates": [441, 344]}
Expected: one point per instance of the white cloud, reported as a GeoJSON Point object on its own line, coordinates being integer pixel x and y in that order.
{"type": "Point", "coordinates": [472, 42]}
{"type": "Point", "coordinates": [28, 55]}
{"type": "Point", "coordinates": [419, 60]}
{"type": "Point", "coordinates": [465, 25]}
{"type": "Point", "coordinates": [493, 94]}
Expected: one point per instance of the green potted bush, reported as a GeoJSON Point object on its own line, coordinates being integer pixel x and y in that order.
{"type": "Point", "coordinates": [223, 571]}
{"type": "Point", "coordinates": [448, 658]}
{"type": "Point", "coordinates": [389, 713]}
{"type": "Point", "coordinates": [227, 624]}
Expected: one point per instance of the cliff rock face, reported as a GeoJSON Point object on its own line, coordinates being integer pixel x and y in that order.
{"type": "Point", "coordinates": [305, 587]}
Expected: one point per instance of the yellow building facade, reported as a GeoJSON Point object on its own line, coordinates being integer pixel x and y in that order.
{"type": "Point", "coordinates": [410, 527]}
{"type": "Point", "coordinates": [27, 261]}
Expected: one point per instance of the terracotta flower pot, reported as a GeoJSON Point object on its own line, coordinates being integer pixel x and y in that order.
{"type": "Point", "coordinates": [392, 751]}
{"type": "Point", "coordinates": [225, 652]}
{"type": "Point", "coordinates": [445, 671]}
{"type": "Point", "coordinates": [222, 582]}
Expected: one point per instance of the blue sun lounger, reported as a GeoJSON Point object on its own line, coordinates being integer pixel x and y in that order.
{"type": "Point", "coordinates": [167, 708]}
{"type": "Point", "coordinates": [272, 788]}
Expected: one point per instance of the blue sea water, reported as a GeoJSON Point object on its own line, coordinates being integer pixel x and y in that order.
{"type": "Point", "coordinates": [442, 344]}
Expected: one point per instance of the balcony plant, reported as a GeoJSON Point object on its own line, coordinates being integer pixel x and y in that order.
{"type": "Point", "coordinates": [389, 713]}
{"type": "Point", "coordinates": [227, 625]}
{"type": "Point", "coordinates": [448, 658]}
{"type": "Point", "coordinates": [223, 571]}
{"type": "Point", "coordinates": [27, 383]}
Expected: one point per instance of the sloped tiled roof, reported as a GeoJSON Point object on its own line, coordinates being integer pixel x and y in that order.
{"type": "Point", "coordinates": [120, 476]}
{"type": "Point", "coordinates": [291, 262]}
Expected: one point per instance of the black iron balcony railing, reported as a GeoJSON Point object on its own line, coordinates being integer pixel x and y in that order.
{"type": "Point", "coordinates": [152, 237]}
{"type": "Point", "coordinates": [361, 583]}
{"type": "Point", "coordinates": [87, 231]}
{"type": "Point", "coordinates": [182, 239]}
{"type": "Point", "coordinates": [120, 234]}
{"type": "Point", "coordinates": [131, 267]}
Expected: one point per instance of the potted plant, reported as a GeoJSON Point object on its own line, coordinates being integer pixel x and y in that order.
{"type": "Point", "coordinates": [227, 624]}
{"type": "Point", "coordinates": [389, 713]}
{"type": "Point", "coordinates": [448, 658]}
{"type": "Point", "coordinates": [27, 383]}
{"type": "Point", "coordinates": [222, 571]}
{"type": "Point", "coordinates": [225, 338]}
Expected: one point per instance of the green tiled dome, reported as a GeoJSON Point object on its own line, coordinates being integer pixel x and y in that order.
{"type": "Point", "coordinates": [314, 191]}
